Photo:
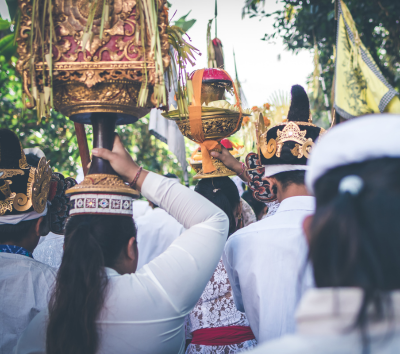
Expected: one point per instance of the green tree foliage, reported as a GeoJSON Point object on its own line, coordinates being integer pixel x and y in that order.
{"type": "Point", "coordinates": [300, 23]}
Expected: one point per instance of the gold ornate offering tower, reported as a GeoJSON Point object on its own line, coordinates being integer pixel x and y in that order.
{"type": "Point", "coordinates": [100, 62]}
{"type": "Point", "coordinates": [210, 118]}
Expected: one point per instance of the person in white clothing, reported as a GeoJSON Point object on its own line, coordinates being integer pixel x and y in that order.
{"type": "Point", "coordinates": [24, 282]}
{"type": "Point", "coordinates": [354, 239]}
{"type": "Point", "coordinates": [156, 230]}
{"type": "Point", "coordinates": [100, 304]}
{"type": "Point", "coordinates": [215, 325]}
{"type": "Point", "coordinates": [50, 250]}
{"type": "Point", "coordinates": [267, 261]}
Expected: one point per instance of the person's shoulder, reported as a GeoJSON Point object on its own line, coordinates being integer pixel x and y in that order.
{"type": "Point", "coordinates": [251, 230]}
{"type": "Point", "coordinates": [43, 268]}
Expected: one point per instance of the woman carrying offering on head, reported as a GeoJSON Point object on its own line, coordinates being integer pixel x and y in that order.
{"type": "Point", "coordinates": [99, 304]}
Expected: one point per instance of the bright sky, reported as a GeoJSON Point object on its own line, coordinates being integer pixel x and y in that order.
{"type": "Point", "coordinates": [259, 70]}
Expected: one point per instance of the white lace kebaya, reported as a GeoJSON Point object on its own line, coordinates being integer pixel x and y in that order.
{"type": "Point", "coordinates": [216, 308]}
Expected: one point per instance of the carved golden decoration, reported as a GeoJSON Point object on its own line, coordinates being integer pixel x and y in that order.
{"type": "Point", "coordinates": [7, 173]}
{"type": "Point", "coordinates": [104, 97]}
{"type": "Point", "coordinates": [216, 126]}
{"type": "Point", "coordinates": [268, 150]}
{"type": "Point", "coordinates": [5, 189]}
{"type": "Point", "coordinates": [296, 150]}
{"type": "Point", "coordinates": [22, 161]}
{"type": "Point", "coordinates": [23, 202]}
{"type": "Point", "coordinates": [41, 185]}
{"type": "Point", "coordinates": [196, 166]}
{"type": "Point", "coordinates": [307, 147]}
{"type": "Point", "coordinates": [106, 183]}
{"type": "Point", "coordinates": [117, 60]}
{"type": "Point", "coordinates": [217, 123]}
{"type": "Point", "coordinates": [8, 202]}
{"type": "Point", "coordinates": [221, 171]}
{"type": "Point", "coordinates": [291, 132]}
{"type": "Point", "coordinates": [6, 205]}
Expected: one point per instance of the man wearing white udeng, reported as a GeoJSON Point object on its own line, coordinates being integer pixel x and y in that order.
{"type": "Point", "coordinates": [266, 261]}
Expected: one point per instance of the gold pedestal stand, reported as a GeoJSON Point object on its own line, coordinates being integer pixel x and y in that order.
{"type": "Point", "coordinates": [218, 123]}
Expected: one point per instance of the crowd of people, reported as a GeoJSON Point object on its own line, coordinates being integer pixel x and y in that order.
{"type": "Point", "coordinates": [212, 271]}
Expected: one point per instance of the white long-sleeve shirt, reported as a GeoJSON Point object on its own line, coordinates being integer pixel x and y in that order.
{"type": "Point", "coordinates": [266, 262]}
{"type": "Point", "coordinates": [144, 312]}
{"type": "Point", "coordinates": [156, 230]}
{"type": "Point", "coordinates": [25, 284]}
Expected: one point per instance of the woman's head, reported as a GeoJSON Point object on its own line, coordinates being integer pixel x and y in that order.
{"type": "Point", "coordinates": [92, 242]}
{"type": "Point", "coordinates": [222, 191]}
{"type": "Point", "coordinates": [355, 232]}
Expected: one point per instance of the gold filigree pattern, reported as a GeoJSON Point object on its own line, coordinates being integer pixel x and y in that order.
{"type": "Point", "coordinates": [22, 161]}
{"type": "Point", "coordinates": [6, 205]}
{"type": "Point", "coordinates": [296, 150]}
{"type": "Point", "coordinates": [5, 189]}
{"type": "Point", "coordinates": [268, 150]}
{"type": "Point", "coordinates": [117, 58]}
{"type": "Point", "coordinates": [221, 171]}
{"type": "Point", "coordinates": [215, 127]}
{"type": "Point", "coordinates": [118, 97]}
{"type": "Point", "coordinates": [9, 198]}
{"type": "Point", "coordinates": [23, 202]}
{"type": "Point", "coordinates": [7, 173]}
{"type": "Point", "coordinates": [41, 185]}
{"type": "Point", "coordinates": [291, 132]}
{"type": "Point", "coordinates": [307, 147]}
{"type": "Point", "coordinates": [103, 183]}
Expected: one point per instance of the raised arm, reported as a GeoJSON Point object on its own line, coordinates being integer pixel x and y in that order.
{"type": "Point", "coordinates": [183, 270]}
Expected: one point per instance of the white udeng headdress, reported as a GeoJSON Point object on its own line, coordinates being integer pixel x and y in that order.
{"type": "Point", "coordinates": [360, 139]}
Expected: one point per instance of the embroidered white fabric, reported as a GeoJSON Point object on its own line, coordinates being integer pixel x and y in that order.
{"type": "Point", "coordinates": [248, 214]}
{"type": "Point", "coordinates": [50, 250]}
{"type": "Point", "coordinates": [216, 308]}
{"type": "Point", "coordinates": [272, 208]}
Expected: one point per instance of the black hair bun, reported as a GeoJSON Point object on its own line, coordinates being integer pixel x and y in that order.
{"type": "Point", "coordinates": [300, 106]}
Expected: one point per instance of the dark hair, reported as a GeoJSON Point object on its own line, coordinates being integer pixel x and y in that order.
{"type": "Point", "coordinates": [255, 204]}
{"type": "Point", "coordinates": [92, 242]}
{"type": "Point", "coordinates": [171, 175]}
{"type": "Point", "coordinates": [222, 192]}
{"type": "Point", "coordinates": [32, 159]}
{"type": "Point", "coordinates": [18, 232]}
{"type": "Point", "coordinates": [355, 239]}
{"type": "Point", "coordinates": [290, 177]}
{"type": "Point", "coordinates": [299, 110]}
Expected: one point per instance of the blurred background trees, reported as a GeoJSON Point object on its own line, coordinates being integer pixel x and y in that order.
{"type": "Point", "coordinates": [309, 24]}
